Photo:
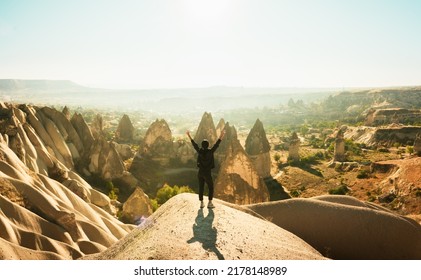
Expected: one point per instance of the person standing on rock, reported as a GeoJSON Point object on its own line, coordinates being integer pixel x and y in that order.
{"type": "Point", "coordinates": [205, 163]}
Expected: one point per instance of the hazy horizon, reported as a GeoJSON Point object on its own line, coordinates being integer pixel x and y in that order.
{"type": "Point", "coordinates": [166, 44]}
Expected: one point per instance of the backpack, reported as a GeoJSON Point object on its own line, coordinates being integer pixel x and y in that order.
{"type": "Point", "coordinates": [205, 159]}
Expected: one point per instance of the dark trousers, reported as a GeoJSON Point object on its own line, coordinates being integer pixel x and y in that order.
{"type": "Point", "coordinates": [205, 176]}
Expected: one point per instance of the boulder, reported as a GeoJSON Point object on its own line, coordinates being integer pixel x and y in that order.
{"type": "Point", "coordinates": [136, 207]}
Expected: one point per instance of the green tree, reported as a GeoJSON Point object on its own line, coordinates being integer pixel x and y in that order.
{"type": "Point", "coordinates": [166, 192]}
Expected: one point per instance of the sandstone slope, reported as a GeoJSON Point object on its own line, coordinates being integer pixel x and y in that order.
{"type": "Point", "coordinates": [180, 230]}
{"type": "Point", "coordinates": [47, 211]}
{"type": "Point", "coordinates": [342, 227]}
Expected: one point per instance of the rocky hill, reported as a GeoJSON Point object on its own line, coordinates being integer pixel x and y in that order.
{"type": "Point", "coordinates": [201, 234]}
{"type": "Point", "coordinates": [48, 211]}
{"type": "Point", "coordinates": [52, 165]}
{"type": "Point", "coordinates": [339, 227]}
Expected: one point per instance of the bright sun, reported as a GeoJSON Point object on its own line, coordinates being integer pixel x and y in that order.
{"type": "Point", "coordinates": [207, 10]}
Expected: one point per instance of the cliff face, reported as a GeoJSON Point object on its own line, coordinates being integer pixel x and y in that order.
{"type": "Point", "coordinates": [405, 135]}
{"type": "Point", "coordinates": [238, 181]}
{"type": "Point", "coordinates": [391, 115]}
{"type": "Point", "coordinates": [47, 210]}
{"type": "Point", "coordinates": [258, 148]}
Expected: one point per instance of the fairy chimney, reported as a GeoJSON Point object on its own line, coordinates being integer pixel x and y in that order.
{"type": "Point", "coordinates": [294, 147]}
{"type": "Point", "coordinates": [339, 152]}
{"type": "Point", "coordinates": [258, 148]}
{"type": "Point", "coordinates": [417, 145]}
{"type": "Point", "coordinates": [125, 130]}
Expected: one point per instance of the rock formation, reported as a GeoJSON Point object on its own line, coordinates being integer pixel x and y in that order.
{"type": "Point", "coordinates": [294, 147]}
{"type": "Point", "coordinates": [238, 181]}
{"type": "Point", "coordinates": [105, 160]}
{"type": "Point", "coordinates": [158, 141]}
{"type": "Point", "coordinates": [342, 227]}
{"type": "Point", "coordinates": [136, 207]}
{"type": "Point", "coordinates": [206, 130]}
{"type": "Point", "coordinates": [404, 135]}
{"type": "Point", "coordinates": [97, 127]}
{"type": "Point", "coordinates": [220, 126]}
{"type": "Point", "coordinates": [123, 150]}
{"type": "Point", "coordinates": [84, 132]}
{"type": "Point", "coordinates": [417, 145]}
{"type": "Point", "coordinates": [258, 148]}
{"type": "Point", "coordinates": [339, 151]}
{"type": "Point", "coordinates": [125, 130]}
{"type": "Point", "coordinates": [66, 112]}
{"type": "Point", "coordinates": [391, 115]}
{"type": "Point", "coordinates": [183, 151]}
{"type": "Point", "coordinates": [226, 232]}
{"type": "Point", "coordinates": [47, 210]}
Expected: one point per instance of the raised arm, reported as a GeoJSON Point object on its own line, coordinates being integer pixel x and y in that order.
{"type": "Point", "coordinates": [188, 134]}
{"type": "Point", "coordinates": [195, 146]}
{"type": "Point", "coordinates": [222, 134]}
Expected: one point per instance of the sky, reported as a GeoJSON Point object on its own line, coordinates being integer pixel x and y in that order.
{"type": "Point", "coordinates": [200, 43]}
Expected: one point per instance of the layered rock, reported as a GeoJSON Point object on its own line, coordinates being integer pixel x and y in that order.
{"type": "Point", "coordinates": [238, 181]}
{"type": "Point", "coordinates": [46, 207]}
{"type": "Point", "coordinates": [125, 130]}
{"type": "Point", "coordinates": [137, 207]}
{"type": "Point", "coordinates": [404, 135]}
{"type": "Point", "coordinates": [206, 129]}
{"type": "Point", "coordinates": [294, 147]}
{"type": "Point", "coordinates": [391, 115]}
{"type": "Point", "coordinates": [258, 148]}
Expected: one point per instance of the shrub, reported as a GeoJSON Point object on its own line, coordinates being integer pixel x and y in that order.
{"type": "Point", "coordinates": [295, 193]}
{"type": "Point", "coordinates": [363, 174]}
{"type": "Point", "coordinates": [341, 190]}
{"type": "Point", "coordinates": [166, 192]}
{"type": "Point", "coordinates": [113, 191]}
{"type": "Point", "coordinates": [383, 150]}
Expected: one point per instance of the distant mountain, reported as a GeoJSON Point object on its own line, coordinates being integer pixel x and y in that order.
{"type": "Point", "coordinates": [38, 85]}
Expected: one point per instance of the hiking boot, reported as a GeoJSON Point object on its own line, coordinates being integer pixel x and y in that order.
{"type": "Point", "coordinates": [210, 204]}
{"type": "Point", "coordinates": [202, 204]}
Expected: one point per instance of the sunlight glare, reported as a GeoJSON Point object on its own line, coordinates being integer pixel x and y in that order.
{"type": "Point", "coordinates": [207, 11]}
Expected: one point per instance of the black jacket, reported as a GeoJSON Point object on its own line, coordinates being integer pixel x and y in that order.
{"type": "Point", "coordinates": [205, 158]}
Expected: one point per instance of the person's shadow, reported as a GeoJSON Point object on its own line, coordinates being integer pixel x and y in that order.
{"type": "Point", "coordinates": [204, 233]}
